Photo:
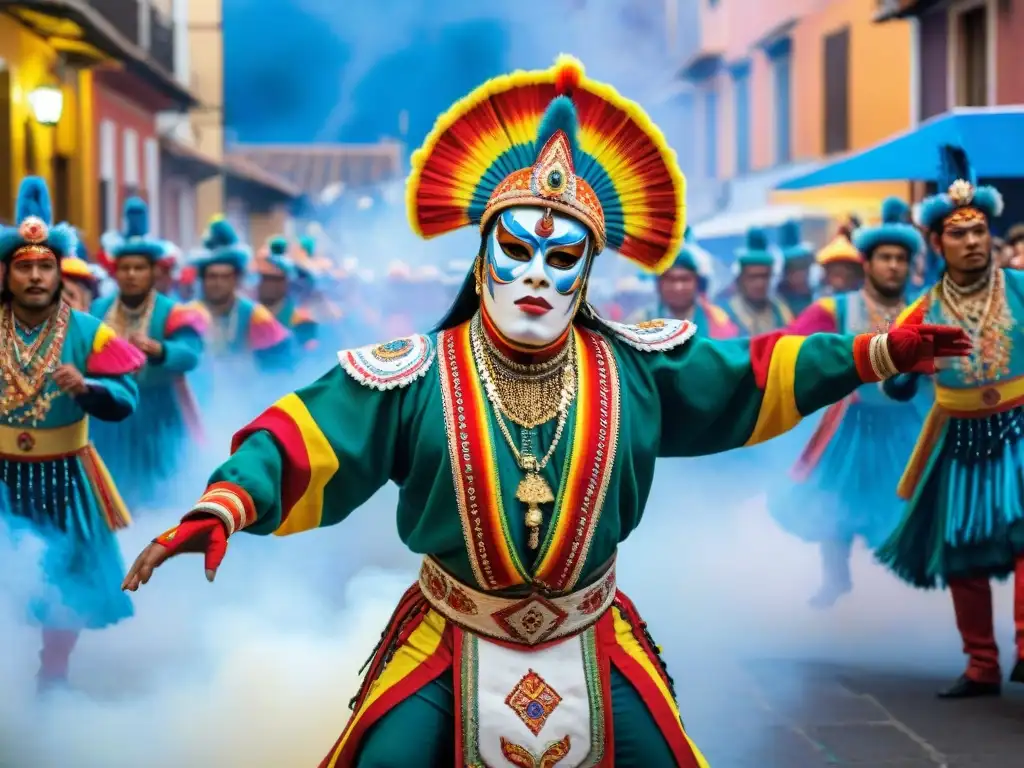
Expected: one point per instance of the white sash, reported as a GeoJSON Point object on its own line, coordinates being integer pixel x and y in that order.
{"type": "Point", "coordinates": [532, 708]}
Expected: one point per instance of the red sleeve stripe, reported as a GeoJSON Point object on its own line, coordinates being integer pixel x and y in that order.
{"type": "Point", "coordinates": [761, 349]}
{"type": "Point", "coordinates": [295, 468]}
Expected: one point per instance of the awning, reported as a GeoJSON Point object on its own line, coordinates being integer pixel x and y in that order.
{"type": "Point", "coordinates": [737, 223]}
{"type": "Point", "coordinates": [86, 36]}
{"type": "Point", "coordinates": [991, 137]}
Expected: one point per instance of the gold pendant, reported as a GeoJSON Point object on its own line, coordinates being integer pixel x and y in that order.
{"type": "Point", "coordinates": [533, 491]}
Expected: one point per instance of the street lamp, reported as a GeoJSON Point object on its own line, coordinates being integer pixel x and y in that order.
{"type": "Point", "coordinates": [47, 103]}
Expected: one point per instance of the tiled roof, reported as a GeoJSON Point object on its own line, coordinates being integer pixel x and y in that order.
{"type": "Point", "coordinates": [242, 167]}
{"type": "Point", "coordinates": [314, 168]}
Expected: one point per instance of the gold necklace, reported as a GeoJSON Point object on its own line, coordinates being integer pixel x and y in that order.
{"type": "Point", "coordinates": [529, 393]}
{"type": "Point", "coordinates": [125, 320]}
{"type": "Point", "coordinates": [533, 489]}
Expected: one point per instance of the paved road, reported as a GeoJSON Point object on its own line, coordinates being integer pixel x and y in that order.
{"type": "Point", "coordinates": [786, 714]}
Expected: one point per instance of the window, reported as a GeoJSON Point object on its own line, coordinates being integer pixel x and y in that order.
{"type": "Point", "coordinates": [837, 92]}
{"type": "Point", "coordinates": [108, 175]}
{"type": "Point", "coordinates": [782, 70]}
{"type": "Point", "coordinates": [741, 93]}
{"type": "Point", "coordinates": [972, 57]}
{"type": "Point", "coordinates": [153, 184]}
{"type": "Point", "coordinates": [711, 134]}
{"type": "Point", "coordinates": [61, 188]}
{"type": "Point", "coordinates": [130, 167]}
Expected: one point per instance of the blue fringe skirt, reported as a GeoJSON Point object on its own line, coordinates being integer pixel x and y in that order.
{"type": "Point", "coordinates": [851, 490]}
{"type": "Point", "coordinates": [966, 518]}
{"type": "Point", "coordinates": [67, 503]}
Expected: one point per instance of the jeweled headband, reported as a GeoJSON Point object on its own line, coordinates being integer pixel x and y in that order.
{"type": "Point", "coordinates": [34, 231]}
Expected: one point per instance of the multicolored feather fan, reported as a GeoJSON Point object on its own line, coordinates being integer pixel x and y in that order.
{"type": "Point", "coordinates": [555, 139]}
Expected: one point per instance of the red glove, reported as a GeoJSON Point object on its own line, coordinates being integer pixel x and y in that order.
{"type": "Point", "coordinates": [201, 533]}
{"type": "Point", "coordinates": [914, 348]}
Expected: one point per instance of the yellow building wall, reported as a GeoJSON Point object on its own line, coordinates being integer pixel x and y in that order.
{"type": "Point", "coordinates": [265, 225]}
{"type": "Point", "coordinates": [880, 90]}
{"type": "Point", "coordinates": [206, 52]}
{"type": "Point", "coordinates": [30, 62]}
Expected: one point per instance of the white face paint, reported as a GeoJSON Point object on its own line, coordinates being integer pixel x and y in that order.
{"type": "Point", "coordinates": [532, 278]}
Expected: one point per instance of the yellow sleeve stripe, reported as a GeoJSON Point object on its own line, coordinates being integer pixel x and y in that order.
{"type": "Point", "coordinates": [310, 464]}
{"type": "Point", "coordinates": [828, 304]}
{"type": "Point", "coordinates": [778, 412]}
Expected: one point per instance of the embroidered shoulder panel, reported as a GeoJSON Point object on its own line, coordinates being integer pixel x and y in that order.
{"type": "Point", "coordinates": [391, 365]}
{"type": "Point", "coordinates": [653, 335]}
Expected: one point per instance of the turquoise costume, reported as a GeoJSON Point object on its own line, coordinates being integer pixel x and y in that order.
{"type": "Point", "coordinates": [797, 254]}
{"type": "Point", "coordinates": [247, 339]}
{"type": "Point", "coordinates": [964, 483]}
{"type": "Point", "coordinates": [56, 485]}
{"type": "Point", "coordinates": [751, 320]}
{"type": "Point", "coordinates": [147, 452]}
{"type": "Point", "coordinates": [289, 313]}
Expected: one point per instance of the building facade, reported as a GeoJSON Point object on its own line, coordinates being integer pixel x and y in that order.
{"type": "Point", "coordinates": [964, 52]}
{"type": "Point", "coordinates": [113, 62]}
{"type": "Point", "coordinates": [782, 85]}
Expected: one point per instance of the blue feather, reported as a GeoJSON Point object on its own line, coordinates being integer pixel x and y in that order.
{"type": "Point", "coordinates": [559, 116]}
{"type": "Point", "coordinates": [953, 166]}
{"type": "Point", "coordinates": [895, 211]}
{"type": "Point", "coordinates": [33, 200]}
{"type": "Point", "coordinates": [688, 237]}
{"type": "Point", "coordinates": [757, 240]}
{"type": "Point", "coordinates": [308, 244]}
{"type": "Point", "coordinates": [136, 217]}
{"type": "Point", "coordinates": [278, 246]}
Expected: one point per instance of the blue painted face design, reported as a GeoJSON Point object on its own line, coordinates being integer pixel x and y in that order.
{"type": "Point", "coordinates": [520, 223]}
{"type": "Point", "coordinates": [547, 270]}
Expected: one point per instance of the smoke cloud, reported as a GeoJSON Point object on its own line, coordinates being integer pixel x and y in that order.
{"type": "Point", "coordinates": [258, 669]}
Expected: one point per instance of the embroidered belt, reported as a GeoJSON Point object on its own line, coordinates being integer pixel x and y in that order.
{"type": "Point", "coordinates": [528, 620]}
{"type": "Point", "coordinates": [33, 443]}
{"type": "Point", "coordinates": [974, 402]}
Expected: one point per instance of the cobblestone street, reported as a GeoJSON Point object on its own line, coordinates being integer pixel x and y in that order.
{"type": "Point", "coordinates": [802, 715]}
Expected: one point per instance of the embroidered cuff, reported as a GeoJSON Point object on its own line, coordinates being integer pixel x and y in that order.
{"type": "Point", "coordinates": [881, 360]}
{"type": "Point", "coordinates": [862, 358]}
{"type": "Point", "coordinates": [230, 503]}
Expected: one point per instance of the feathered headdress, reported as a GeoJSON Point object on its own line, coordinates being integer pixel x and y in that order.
{"type": "Point", "coordinates": [277, 262]}
{"type": "Point", "coordinates": [959, 192]}
{"type": "Point", "coordinates": [135, 239]}
{"type": "Point", "coordinates": [557, 140]}
{"type": "Point", "coordinates": [794, 248]}
{"type": "Point", "coordinates": [756, 251]}
{"type": "Point", "coordinates": [222, 246]}
{"type": "Point", "coordinates": [34, 233]}
{"type": "Point", "coordinates": [895, 229]}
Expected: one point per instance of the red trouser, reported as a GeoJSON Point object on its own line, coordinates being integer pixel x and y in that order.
{"type": "Point", "coordinates": [972, 602]}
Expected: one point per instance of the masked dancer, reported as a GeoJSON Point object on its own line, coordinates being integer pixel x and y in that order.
{"type": "Point", "coordinates": [522, 435]}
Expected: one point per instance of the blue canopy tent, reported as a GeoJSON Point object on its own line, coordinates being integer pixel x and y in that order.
{"type": "Point", "coordinates": [991, 136]}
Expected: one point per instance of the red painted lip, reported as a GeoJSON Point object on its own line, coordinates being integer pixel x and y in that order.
{"type": "Point", "coordinates": [534, 305]}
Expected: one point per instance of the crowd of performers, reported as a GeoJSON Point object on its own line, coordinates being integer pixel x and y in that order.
{"type": "Point", "coordinates": [522, 427]}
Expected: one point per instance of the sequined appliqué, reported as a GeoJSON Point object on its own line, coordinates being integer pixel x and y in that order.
{"type": "Point", "coordinates": [521, 757]}
{"type": "Point", "coordinates": [534, 701]}
{"type": "Point", "coordinates": [653, 335]}
{"type": "Point", "coordinates": [391, 365]}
